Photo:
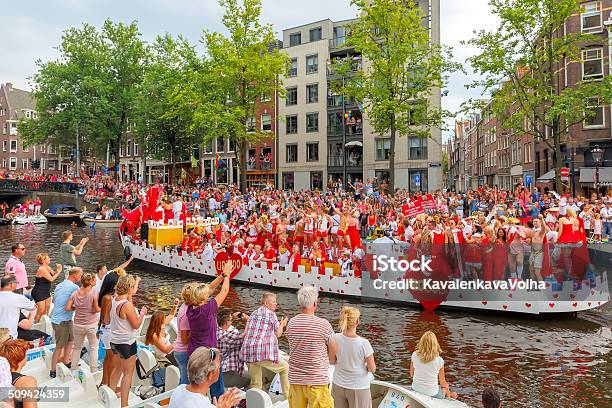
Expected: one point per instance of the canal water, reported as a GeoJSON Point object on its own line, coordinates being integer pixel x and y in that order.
{"type": "Point", "coordinates": [533, 362]}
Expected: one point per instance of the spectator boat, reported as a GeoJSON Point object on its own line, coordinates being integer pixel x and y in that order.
{"type": "Point", "coordinates": [90, 220]}
{"type": "Point", "coordinates": [62, 212]}
{"type": "Point", "coordinates": [565, 297]}
{"type": "Point", "coordinates": [31, 219]}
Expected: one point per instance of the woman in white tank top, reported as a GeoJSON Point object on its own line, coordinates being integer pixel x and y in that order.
{"type": "Point", "coordinates": [125, 321]}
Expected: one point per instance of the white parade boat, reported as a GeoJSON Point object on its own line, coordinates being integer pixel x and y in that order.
{"type": "Point", "coordinates": [32, 219]}
{"type": "Point", "coordinates": [571, 297]}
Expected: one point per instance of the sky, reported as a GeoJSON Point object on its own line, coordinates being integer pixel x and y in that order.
{"type": "Point", "coordinates": [31, 30]}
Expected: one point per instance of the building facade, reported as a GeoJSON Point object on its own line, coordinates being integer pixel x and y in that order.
{"type": "Point", "coordinates": [15, 156]}
{"type": "Point", "coordinates": [323, 136]}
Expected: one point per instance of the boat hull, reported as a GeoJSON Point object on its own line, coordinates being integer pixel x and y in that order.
{"type": "Point", "coordinates": [63, 217]}
{"type": "Point", "coordinates": [549, 301]}
{"type": "Point", "coordinates": [37, 219]}
{"type": "Point", "coordinates": [112, 224]}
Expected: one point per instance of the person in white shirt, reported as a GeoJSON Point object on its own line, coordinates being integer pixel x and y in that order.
{"type": "Point", "coordinates": [11, 304]}
{"type": "Point", "coordinates": [203, 370]}
{"type": "Point", "coordinates": [177, 208]}
{"type": "Point", "coordinates": [606, 218]}
{"type": "Point", "coordinates": [103, 271]}
{"type": "Point", "coordinates": [427, 368]}
{"type": "Point", "coordinates": [354, 360]}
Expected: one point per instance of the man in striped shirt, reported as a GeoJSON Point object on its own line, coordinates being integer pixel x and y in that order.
{"type": "Point", "coordinates": [310, 340]}
{"type": "Point", "coordinates": [260, 345]}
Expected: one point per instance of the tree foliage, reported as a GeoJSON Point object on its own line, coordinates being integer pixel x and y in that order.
{"type": "Point", "coordinates": [91, 85]}
{"type": "Point", "coordinates": [402, 66]}
{"type": "Point", "coordinates": [238, 69]}
{"type": "Point", "coordinates": [520, 64]}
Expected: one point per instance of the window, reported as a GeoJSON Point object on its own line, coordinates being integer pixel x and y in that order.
{"type": "Point", "coordinates": [291, 96]}
{"type": "Point", "coordinates": [265, 97]}
{"type": "Point", "coordinates": [316, 180]}
{"type": "Point", "coordinates": [416, 114]}
{"type": "Point", "coordinates": [250, 124]}
{"type": "Point", "coordinates": [220, 144]}
{"type": "Point", "coordinates": [24, 147]}
{"type": "Point", "coordinates": [418, 180]}
{"type": "Point", "coordinates": [4, 147]}
{"type": "Point", "coordinates": [232, 146]}
{"type": "Point", "coordinates": [292, 68]}
{"type": "Point", "coordinates": [312, 93]}
{"type": "Point", "coordinates": [2, 114]}
{"type": "Point", "coordinates": [595, 118]}
{"type": "Point", "coordinates": [316, 34]}
{"type": "Point", "coordinates": [13, 163]}
{"type": "Point", "coordinates": [5, 128]}
{"type": "Point", "coordinates": [128, 148]}
{"type": "Point", "coordinates": [312, 122]}
{"type": "Point", "coordinates": [24, 163]}
{"type": "Point", "coordinates": [4, 163]}
{"type": "Point", "coordinates": [291, 153]}
{"type": "Point", "coordinates": [590, 17]}
{"type": "Point", "coordinates": [383, 147]}
{"type": "Point", "coordinates": [121, 150]}
{"type": "Point", "coordinates": [295, 39]}
{"type": "Point", "coordinates": [288, 181]}
{"type": "Point", "coordinates": [417, 147]}
{"type": "Point", "coordinates": [13, 146]}
{"type": "Point", "coordinates": [292, 124]}
{"type": "Point", "coordinates": [135, 149]}
{"type": "Point", "coordinates": [42, 148]}
{"type": "Point", "coordinates": [312, 63]}
{"type": "Point", "coordinates": [266, 122]}
{"type": "Point", "coordinates": [592, 64]}
{"type": "Point", "coordinates": [312, 151]}
{"type": "Point", "coordinates": [208, 147]}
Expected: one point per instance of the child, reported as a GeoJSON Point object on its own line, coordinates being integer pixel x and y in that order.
{"type": "Point", "coordinates": [597, 227]}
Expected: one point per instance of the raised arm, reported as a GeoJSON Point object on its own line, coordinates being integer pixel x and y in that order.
{"type": "Point", "coordinates": [172, 312]}
{"type": "Point", "coordinates": [126, 263]}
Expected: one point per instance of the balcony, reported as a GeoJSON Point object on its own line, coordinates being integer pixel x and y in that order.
{"type": "Point", "coordinates": [335, 101]}
{"type": "Point", "coordinates": [337, 43]}
{"type": "Point", "coordinates": [259, 166]}
{"type": "Point", "coordinates": [354, 159]}
{"type": "Point", "coordinates": [351, 130]}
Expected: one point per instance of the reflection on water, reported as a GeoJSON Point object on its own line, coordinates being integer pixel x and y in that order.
{"type": "Point", "coordinates": [562, 362]}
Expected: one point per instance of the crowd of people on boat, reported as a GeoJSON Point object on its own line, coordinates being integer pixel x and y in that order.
{"type": "Point", "coordinates": [487, 233]}
{"type": "Point", "coordinates": [209, 350]}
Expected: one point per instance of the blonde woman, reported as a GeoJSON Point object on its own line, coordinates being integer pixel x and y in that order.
{"type": "Point", "coordinates": [84, 302]}
{"type": "Point", "coordinates": [354, 359]}
{"type": "Point", "coordinates": [41, 293]}
{"type": "Point", "coordinates": [427, 368]}
{"type": "Point", "coordinates": [124, 324]}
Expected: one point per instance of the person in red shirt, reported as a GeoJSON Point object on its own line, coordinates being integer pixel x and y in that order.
{"type": "Point", "coordinates": [269, 254]}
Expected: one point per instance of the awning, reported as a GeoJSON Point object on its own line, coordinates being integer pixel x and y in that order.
{"type": "Point", "coordinates": [587, 175]}
{"type": "Point", "coordinates": [355, 143]}
{"type": "Point", "coordinates": [548, 176]}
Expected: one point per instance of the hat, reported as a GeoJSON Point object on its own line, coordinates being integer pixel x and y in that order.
{"type": "Point", "coordinates": [514, 221]}
{"type": "Point", "coordinates": [553, 209]}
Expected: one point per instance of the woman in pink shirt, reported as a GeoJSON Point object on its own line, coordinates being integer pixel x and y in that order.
{"type": "Point", "coordinates": [86, 316]}
{"type": "Point", "coordinates": [184, 331]}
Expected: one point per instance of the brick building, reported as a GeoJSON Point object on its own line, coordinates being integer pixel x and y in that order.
{"type": "Point", "coordinates": [16, 105]}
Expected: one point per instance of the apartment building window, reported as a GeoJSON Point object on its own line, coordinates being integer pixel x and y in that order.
{"type": "Point", "coordinates": [232, 146]}
{"type": "Point", "coordinates": [291, 96]}
{"type": "Point", "coordinates": [250, 124]}
{"type": "Point", "coordinates": [493, 134]}
{"type": "Point", "coordinates": [42, 148]}
{"type": "Point", "coordinates": [265, 97]}
{"type": "Point", "coordinates": [13, 163]}
{"type": "Point", "coordinates": [53, 149]}
{"type": "Point", "coordinates": [312, 151]}
{"type": "Point", "coordinates": [4, 163]}
{"type": "Point", "coordinates": [24, 147]}
{"type": "Point", "coordinates": [312, 63]}
{"type": "Point", "coordinates": [121, 150]}
{"type": "Point", "coordinates": [2, 114]}
{"type": "Point", "coordinates": [418, 180]}
{"type": "Point", "coordinates": [316, 180]}
{"type": "Point", "coordinates": [220, 144]}
{"type": "Point", "coordinates": [288, 182]}
{"type": "Point", "coordinates": [292, 124]}
{"type": "Point", "coordinates": [293, 68]}
{"type": "Point", "coordinates": [135, 149]}
{"type": "Point", "coordinates": [291, 153]}
{"type": "Point", "coordinates": [13, 146]}
{"type": "Point", "coordinates": [24, 163]}
{"type": "Point", "coordinates": [316, 34]}
{"type": "Point", "coordinates": [592, 64]}
{"type": "Point", "coordinates": [4, 147]}
{"type": "Point", "coordinates": [312, 122]}
{"type": "Point", "coordinates": [295, 39]}
{"type": "Point", "coordinates": [128, 148]}
{"type": "Point", "coordinates": [266, 122]}
{"type": "Point", "coordinates": [590, 17]}
{"type": "Point", "coordinates": [596, 117]}
{"type": "Point", "coordinates": [312, 93]}
{"type": "Point", "coordinates": [383, 146]}
{"type": "Point", "coordinates": [5, 128]}
{"type": "Point", "coordinates": [208, 147]}
{"type": "Point", "coordinates": [417, 147]}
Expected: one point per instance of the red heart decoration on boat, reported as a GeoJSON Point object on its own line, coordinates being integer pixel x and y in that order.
{"type": "Point", "coordinates": [528, 305]}
{"type": "Point", "coordinates": [551, 305]}
{"type": "Point", "coordinates": [505, 307]}
{"type": "Point", "coordinates": [575, 304]}
{"type": "Point", "coordinates": [223, 257]}
{"type": "Point", "coordinates": [484, 302]}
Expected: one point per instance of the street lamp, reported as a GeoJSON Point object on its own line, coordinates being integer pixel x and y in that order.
{"type": "Point", "coordinates": [598, 154]}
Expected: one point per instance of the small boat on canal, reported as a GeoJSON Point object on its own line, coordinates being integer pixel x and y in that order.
{"type": "Point", "coordinates": [101, 222]}
{"type": "Point", "coordinates": [30, 219]}
{"type": "Point", "coordinates": [62, 212]}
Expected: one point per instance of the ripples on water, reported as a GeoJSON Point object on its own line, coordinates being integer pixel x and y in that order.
{"type": "Point", "coordinates": [562, 362]}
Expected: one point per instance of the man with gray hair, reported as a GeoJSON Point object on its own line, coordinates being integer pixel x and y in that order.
{"type": "Point", "coordinates": [310, 341]}
{"type": "Point", "coordinates": [203, 370]}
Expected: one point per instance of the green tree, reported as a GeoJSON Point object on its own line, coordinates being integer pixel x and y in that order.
{"type": "Point", "coordinates": [239, 69]}
{"type": "Point", "coordinates": [402, 67]}
{"type": "Point", "coordinates": [161, 129]}
{"type": "Point", "coordinates": [520, 63]}
{"type": "Point", "coordinates": [90, 88]}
